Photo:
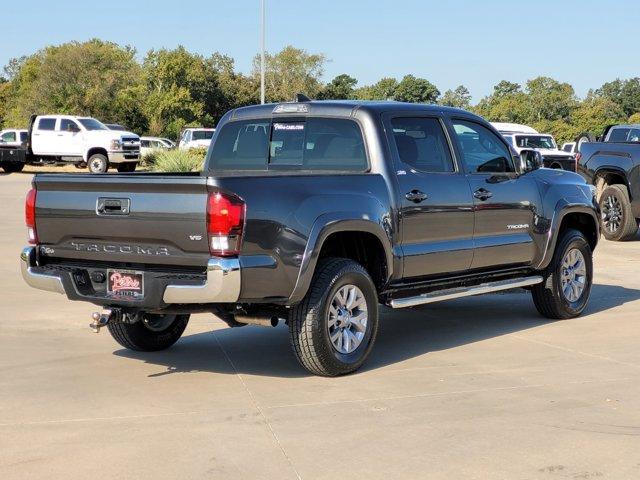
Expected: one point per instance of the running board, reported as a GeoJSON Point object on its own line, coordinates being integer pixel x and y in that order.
{"type": "Point", "coordinates": [460, 292]}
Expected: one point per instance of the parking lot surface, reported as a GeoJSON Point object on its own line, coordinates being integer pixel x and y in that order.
{"type": "Point", "coordinates": [479, 388]}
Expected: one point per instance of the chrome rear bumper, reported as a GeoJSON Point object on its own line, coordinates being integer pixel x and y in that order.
{"type": "Point", "coordinates": [222, 284]}
{"type": "Point", "coordinates": [50, 283]}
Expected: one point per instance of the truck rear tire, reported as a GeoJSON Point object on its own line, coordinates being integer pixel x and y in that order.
{"type": "Point", "coordinates": [98, 163]}
{"type": "Point", "coordinates": [152, 333]}
{"type": "Point", "coordinates": [127, 167]}
{"type": "Point", "coordinates": [565, 291]}
{"type": "Point", "coordinates": [618, 222]}
{"type": "Point", "coordinates": [333, 329]}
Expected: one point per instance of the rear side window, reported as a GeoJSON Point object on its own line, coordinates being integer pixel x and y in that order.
{"type": "Point", "coordinates": [618, 135]}
{"type": "Point", "coordinates": [421, 143]}
{"type": "Point", "coordinates": [47, 124]}
{"type": "Point", "coordinates": [311, 144]}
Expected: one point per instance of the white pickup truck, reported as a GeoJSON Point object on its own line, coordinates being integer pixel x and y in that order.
{"type": "Point", "coordinates": [82, 141]}
{"type": "Point", "coordinates": [196, 138]}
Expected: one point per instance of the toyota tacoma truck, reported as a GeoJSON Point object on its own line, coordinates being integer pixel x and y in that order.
{"type": "Point", "coordinates": [314, 213]}
{"type": "Point", "coordinates": [613, 166]}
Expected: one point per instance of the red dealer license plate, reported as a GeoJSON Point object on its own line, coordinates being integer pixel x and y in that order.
{"type": "Point", "coordinates": [125, 283]}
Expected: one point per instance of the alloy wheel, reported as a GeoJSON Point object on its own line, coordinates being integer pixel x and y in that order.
{"type": "Point", "coordinates": [347, 322]}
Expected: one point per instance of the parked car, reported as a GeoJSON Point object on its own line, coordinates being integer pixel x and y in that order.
{"type": "Point", "coordinates": [153, 144]}
{"type": "Point", "coordinates": [12, 146]}
{"type": "Point", "coordinates": [316, 212]}
{"type": "Point", "coordinates": [523, 137]}
{"type": "Point", "coordinates": [196, 137]}
{"type": "Point", "coordinates": [614, 170]}
{"type": "Point", "coordinates": [169, 142]}
{"type": "Point", "coordinates": [81, 140]}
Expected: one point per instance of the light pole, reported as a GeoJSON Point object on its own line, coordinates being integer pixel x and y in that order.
{"type": "Point", "coordinates": [262, 66]}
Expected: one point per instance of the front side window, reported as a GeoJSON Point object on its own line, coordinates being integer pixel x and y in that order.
{"type": "Point", "coordinates": [634, 135]}
{"type": "Point", "coordinates": [618, 135]}
{"type": "Point", "coordinates": [311, 144]}
{"type": "Point", "coordinates": [421, 143]}
{"type": "Point", "coordinates": [67, 125]}
{"type": "Point", "coordinates": [8, 137]}
{"type": "Point", "coordinates": [23, 137]}
{"type": "Point", "coordinates": [47, 124]}
{"type": "Point", "coordinates": [92, 124]}
{"type": "Point", "coordinates": [482, 151]}
{"type": "Point", "coordinates": [202, 134]}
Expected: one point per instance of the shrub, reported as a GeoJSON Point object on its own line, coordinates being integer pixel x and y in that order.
{"type": "Point", "coordinates": [149, 159]}
{"type": "Point", "coordinates": [199, 152]}
{"type": "Point", "coordinates": [173, 161]}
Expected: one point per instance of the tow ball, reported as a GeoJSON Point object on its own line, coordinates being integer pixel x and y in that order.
{"type": "Point", "coordinates": [100, 319]}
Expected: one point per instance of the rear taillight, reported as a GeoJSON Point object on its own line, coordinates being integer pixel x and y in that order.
{"type": "Point", "coordinates": [578, 157]}
{"type": "Point", "coordinates": [30, 216]}
{"type": "Point", "coordinates": [225, 222]}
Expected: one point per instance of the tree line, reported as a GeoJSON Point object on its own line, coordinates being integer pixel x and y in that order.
{"type": "Point", "coordinates": [172, 88]}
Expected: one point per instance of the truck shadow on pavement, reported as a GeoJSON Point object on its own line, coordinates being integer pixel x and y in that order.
{"type": "Point", "coordinates": [403, 334]}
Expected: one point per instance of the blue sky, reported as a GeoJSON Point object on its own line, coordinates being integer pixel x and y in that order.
{"type": "Point", "coordinates": [475, 43]}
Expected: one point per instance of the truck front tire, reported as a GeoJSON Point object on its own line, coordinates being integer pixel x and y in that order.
{"type": "Point", "coordinates": [98, 163]}
{"type": "Point", "coordinates": [150, 334]}
{"type": "Point", "coordinates": [333, 329]}
{"type": "Point", "coordinates": [565, 291]}
{"type": "Point", "coordinates": [618, 221]}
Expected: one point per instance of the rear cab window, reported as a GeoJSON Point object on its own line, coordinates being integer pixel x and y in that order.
{"type": "Point", "coordinates": [304, 144]}
{"type": "Point", "coordinates": [47, 124]}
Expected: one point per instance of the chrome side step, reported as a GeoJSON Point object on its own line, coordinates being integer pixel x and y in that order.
{"type": "Point", "coordinates": [460, 292]}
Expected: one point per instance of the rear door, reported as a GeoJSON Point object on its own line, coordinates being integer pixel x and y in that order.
{"type": "Point", "coordinates": [436, 207]}
{"type": "Point", "coordinates": [44, 137]}
{"type": "Point", "coordinates": [505, 202]}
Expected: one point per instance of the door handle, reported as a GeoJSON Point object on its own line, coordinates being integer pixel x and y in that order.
{"type": "Point", "coordinates": [416, 196]}
{"type": "Point", "coordinates": [482, 194]}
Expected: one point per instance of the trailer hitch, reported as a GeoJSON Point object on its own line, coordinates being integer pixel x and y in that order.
{"type": "Point", "coordinates": [101, 319]}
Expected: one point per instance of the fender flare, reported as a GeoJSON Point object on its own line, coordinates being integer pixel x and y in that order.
{"type": "Point", "coordinates": [564, 207]}
{"type": "Point", "coordinates": [616, 170]}
{"type": "Point", "coordinates": [326, 225]}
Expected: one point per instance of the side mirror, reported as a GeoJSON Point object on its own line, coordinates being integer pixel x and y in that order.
{"type": "Point", "coordinates": [72, 128]}
{"type": "Point", "coordinates": [530, 160]}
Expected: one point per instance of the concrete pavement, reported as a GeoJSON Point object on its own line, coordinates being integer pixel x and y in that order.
{"type": "Point", "coordinates": [477, 388]}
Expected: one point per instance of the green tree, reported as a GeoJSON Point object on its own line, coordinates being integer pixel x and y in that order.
{"type": "Point", "coordinates": [625, 93]}
{"type": "Point", "coordinates": [549, 99]}
{"type": "Point", "coordinates": [416, 90]}
{"type": "Point", "coordinates": [383, 89]}
{"type": "Point", "coordinates": [75, 78]}
{"type": "Point", "coordinates": [507, 103]}
{"type": "Point", "coordinates": [459, 98]}
{"type": "Point", "coordinates": [341, 87]}
{"type": "Point", "coordinates": [290, 71]}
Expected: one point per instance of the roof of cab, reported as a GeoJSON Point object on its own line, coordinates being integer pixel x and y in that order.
{"type": "Point", "coordinates": [344, 108]}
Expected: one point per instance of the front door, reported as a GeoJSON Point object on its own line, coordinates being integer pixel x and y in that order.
{"type": "Point", "coordinates": [505, 201]}
{"type": "Point", "coordinates": [436, 207]}
{"type": "Point", "coordinates": [69, 138]}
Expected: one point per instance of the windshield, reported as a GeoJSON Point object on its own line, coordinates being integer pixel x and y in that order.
{"type": "Point", "coordinates": [202, 134]}
{"type": "Point", "coordinates": [535, 141]}
{"type": "Point", "coordinates": [92, 124]}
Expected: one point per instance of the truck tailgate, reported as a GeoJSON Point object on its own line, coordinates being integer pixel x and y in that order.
{"type": "Point", "coordinates": [136, 219]}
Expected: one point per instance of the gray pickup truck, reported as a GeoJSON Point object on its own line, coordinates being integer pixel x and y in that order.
{"type": "Point", "coordinates": [613, 166]}
{"type": "Point", "coordinates": [315, 213]}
